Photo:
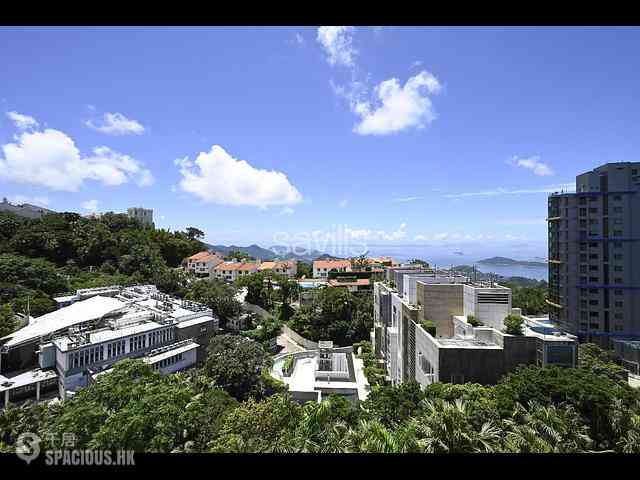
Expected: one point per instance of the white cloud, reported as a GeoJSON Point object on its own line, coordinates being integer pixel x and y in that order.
{"type": "Point", "coordinates": [287, 211]}
{"type": "Point", "coordinates": [399, 107]}
{"type": "Point", "coordinates": [532, 163]}
{"type": "Point", "coordinates": [50, 158]}
{"type": "Point", "coordinates": [343, 203]}
{"type": "Point", "coordinates": [117, 124]}
{"type": "Point", "coordinates": [407, 199]}
{"type": "Point", "coordinates": [566, 187]}
{"type": "Point", "coordinates": [338, 45]}
{"type": "Point", "coordinates": [22, 122]}
{"type": "Point", "coordinates": [91, 107]}
{"type": "Point", "coordinates": [91, 205]}
{"type": "Point", "coordinates": [367, 234]}
{"type": "Point", "coordinates": [217, 177]}
{"type": "Point", "coordinates": [299, 39]}
{"type": "Point", "coordinates": [449, 238]}
{"type": "Point", "coordinates": [416, 64]}
{"type": "Point", "coordinates": [20, 199]}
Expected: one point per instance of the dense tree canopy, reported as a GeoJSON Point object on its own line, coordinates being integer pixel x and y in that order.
{"type": "Point", "coordinates": [40, 258]}
{"type": "Point", "coordinates": [336, 314]}
{"type": "Point", "coordinates": [532, 410]}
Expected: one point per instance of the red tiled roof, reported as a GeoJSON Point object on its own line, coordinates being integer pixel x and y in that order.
{"type": "Point", "coordinates": [203, 256]}
{"type": "Point", "coordinates": [236, 266]}
{"type": "Point", "coordinates": [329, 264]}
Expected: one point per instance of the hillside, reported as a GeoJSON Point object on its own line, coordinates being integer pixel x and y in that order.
{"type": "Point", "coordinates": [510, 262]}
{"type": "Point", "coordinates": [275, 252]}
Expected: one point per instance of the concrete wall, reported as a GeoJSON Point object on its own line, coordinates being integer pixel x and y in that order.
{"type": "Point", "coordinates": [439, 303]}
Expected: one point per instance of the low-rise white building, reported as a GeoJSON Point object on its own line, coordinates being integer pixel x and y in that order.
{"type": "Point", "coordinates": [321, 268]}
{"type": "Point", "coordinates": [77, 342]}
{"type": "Point", "coordinates": [288, 268]}
{"type": "Point", "coordinates": [313, 375]}
{"type": "Point", "coordinates": [231, 271]}
{"type": "Point", "coordinates": [202, 263]}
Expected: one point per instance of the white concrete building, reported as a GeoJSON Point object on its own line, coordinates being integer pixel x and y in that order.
{"type": "Point", "coordinates": [231, 271]}
{"type": "Point", "coordinates": [77, 342]}
{"type": "Point", "coordinates": [202, 263]}
{"type": "Point", "coordinates": [288, 268]}
{"type": "Point", "coordinates": [322, 267]}
{"type": "Point", "coordinates": [313, 375]}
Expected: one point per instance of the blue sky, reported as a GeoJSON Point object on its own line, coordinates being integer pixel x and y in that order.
{"type": "Point", "coordinates": [447, 138]}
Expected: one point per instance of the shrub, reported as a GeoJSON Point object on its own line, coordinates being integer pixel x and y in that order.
{"type": "Point", "coordinates": [513, 325]}
{"type": "Point", "coordinates": [472, 321]}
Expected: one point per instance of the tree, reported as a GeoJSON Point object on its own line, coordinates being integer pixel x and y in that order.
{"type": "Point", "coordinates": [392, 405]}
{"type": "Point", "coordinates": [194, 233]}
{"type": "Point", "coordinates": [546, 429]}
{"type": "Point", "coordinates": [8, 321]}
{"type": "Point", "coordinates": [445, 427]}
{"type": "Point", "coordinates": [304, 270]}
{"type": "Point", "coordinates": [235, 363]}
{"type": "Point", "coordinates": [513, 325]}
{"type": "Point", "coordinates": [592, 394]}
{"type": "Point", "coordinates": [217, 295]}
{"type": "Point", "coordinates": [259, 427]}
{"type": "Point", "coordinates": [239, 256]}
{"type": "Point", "coordinates": [597, 360]}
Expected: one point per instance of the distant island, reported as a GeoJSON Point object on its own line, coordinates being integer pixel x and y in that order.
{"type": "Point", "coordinates": [510, 262]}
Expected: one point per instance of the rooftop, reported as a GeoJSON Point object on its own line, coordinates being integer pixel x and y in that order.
{"type": "Point", "coordinates": [329, 264]}
{"type": "Point", "coordinates": [245, 266]}
{"type": "Point", "coordinates": [204, 256]}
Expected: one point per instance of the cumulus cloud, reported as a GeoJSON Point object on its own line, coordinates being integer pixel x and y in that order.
{"type": "Point", "coordinates": [117, 124]}
{"type": "Point", "coordinates": [91, 205]}
{"type": "Point", "coordinates": [398, 107]}
{"type": "Point", "coordinates": [22, 122]}
{"type": "Point", "coordinates": [337, 43]}
{"type": "Point", "coordinates": [51, 159]}
{"type": "Point", "coordinates": [217, 177]}
{"type": "Point", "coordinates": [532, 163]}
{"type": "Point", "coordinates": [20, 199]}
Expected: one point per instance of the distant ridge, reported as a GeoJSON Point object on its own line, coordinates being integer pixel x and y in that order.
{"type": "Point", "coordinates": [510, 262]}
{"type": "Point", "coordinates": [273, 253]}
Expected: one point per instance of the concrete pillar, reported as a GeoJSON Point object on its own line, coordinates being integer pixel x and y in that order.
{"type": "Point", "coordinates": [38, 391]}
{"type": "Point", "coordinates": [6, 398]}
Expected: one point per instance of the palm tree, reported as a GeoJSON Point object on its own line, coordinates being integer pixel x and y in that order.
{"type": "Point", "coordinates": [446, 427]}
{"type": "Point", "coordinates": [546, 429]}
{"type": "Point", "coordinates": [626, 426]}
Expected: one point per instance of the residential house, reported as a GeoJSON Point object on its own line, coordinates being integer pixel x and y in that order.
{"type": "Point", "coordinates": [203, 262]}
{"type": "Point", "coordinates": [322, 267]}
